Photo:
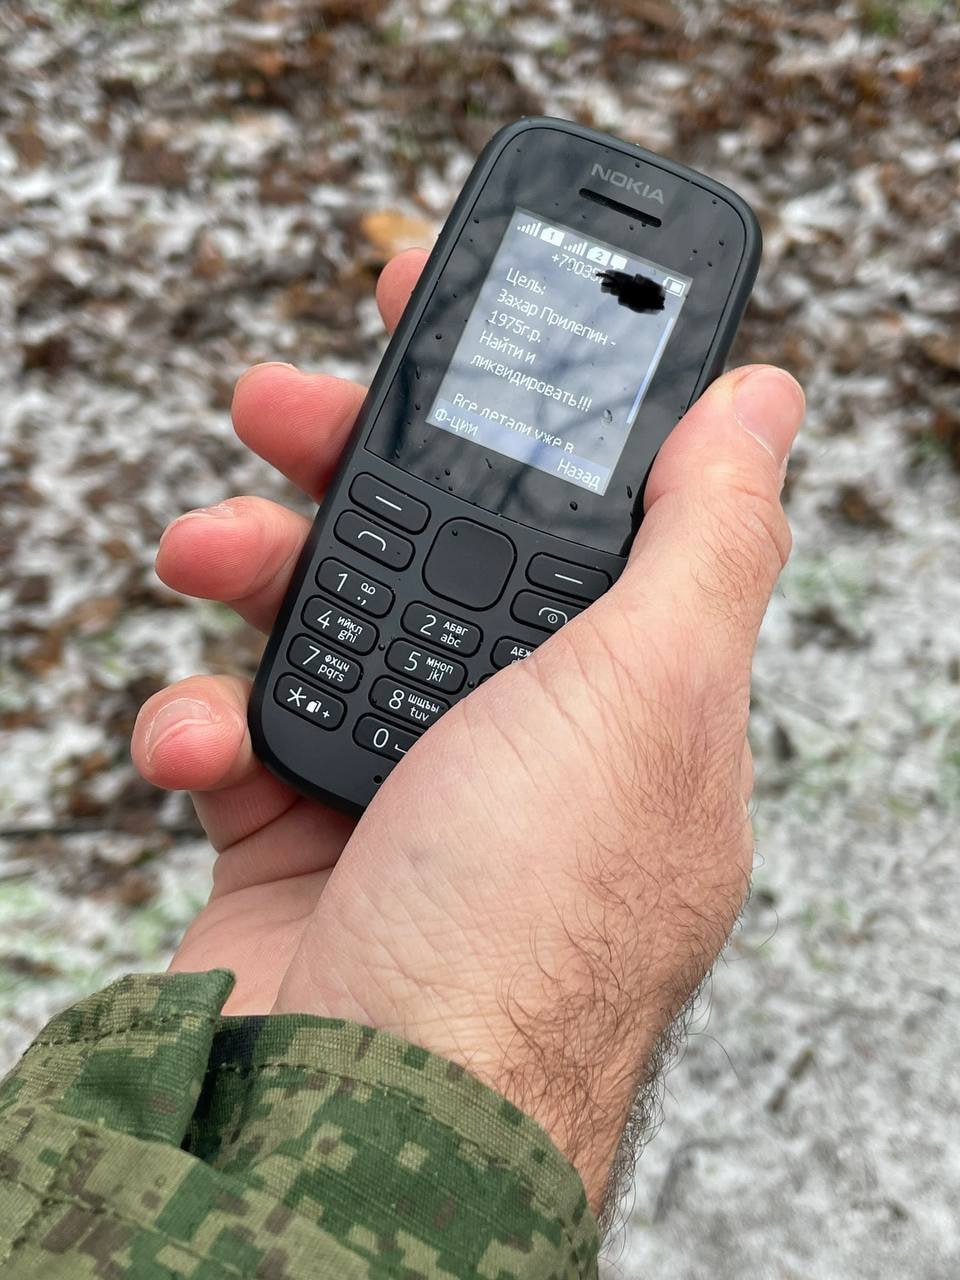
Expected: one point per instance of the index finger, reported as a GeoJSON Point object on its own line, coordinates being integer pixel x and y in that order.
{"type": "Point", "coordinates": [299, 422]}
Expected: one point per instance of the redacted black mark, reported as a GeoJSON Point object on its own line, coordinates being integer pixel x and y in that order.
{"type": "Point", "coordinates": [638, 293]}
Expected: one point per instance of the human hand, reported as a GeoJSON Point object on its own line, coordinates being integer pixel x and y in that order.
{"type": "Point", "coordinates": [543, 880]}
{"type": "Point", "coordinates": [275, 848]}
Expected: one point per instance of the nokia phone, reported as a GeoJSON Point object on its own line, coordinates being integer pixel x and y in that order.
{"type": "Point", "coordinates": [580, 296]}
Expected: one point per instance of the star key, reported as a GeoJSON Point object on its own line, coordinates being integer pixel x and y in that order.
{"type": "Point", "coordinates": [317, 706]}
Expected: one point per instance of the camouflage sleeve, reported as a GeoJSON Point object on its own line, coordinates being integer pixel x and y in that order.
{"type": "Point", "coordinates": [144, 1134]}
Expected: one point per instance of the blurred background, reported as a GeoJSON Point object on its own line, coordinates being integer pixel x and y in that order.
{"type": "Point", "coordinates": [190, 186]}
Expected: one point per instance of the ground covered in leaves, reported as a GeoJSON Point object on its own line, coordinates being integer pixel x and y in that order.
{"type": "Point", "coordinates": [189, 186]}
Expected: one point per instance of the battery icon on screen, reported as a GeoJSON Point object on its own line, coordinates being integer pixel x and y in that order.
{"type": "Point", "coordinates": [674, 286]}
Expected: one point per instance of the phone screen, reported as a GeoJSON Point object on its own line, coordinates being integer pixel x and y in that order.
{"type": "Point", "coordinates": [559, 350]}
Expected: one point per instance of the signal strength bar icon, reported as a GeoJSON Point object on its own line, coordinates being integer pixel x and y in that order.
{"type": "Point", "coordinates": [530, 228]}
{"type": "Point", "coordinates": [578, 249]}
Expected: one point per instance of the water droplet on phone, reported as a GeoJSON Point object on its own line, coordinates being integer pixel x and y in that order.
{"type": "Point", "coordinates": [573, 506]}
{"type": "Point", "coordinates": [608, 415]}
{"type": "Point", "coordinates": [416, 370]}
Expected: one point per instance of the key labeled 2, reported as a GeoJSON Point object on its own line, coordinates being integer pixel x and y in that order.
{"type": "Point", "coordinates": [441, 628]}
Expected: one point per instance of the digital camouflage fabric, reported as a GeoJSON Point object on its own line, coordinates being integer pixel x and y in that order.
{"type": "Point", "coordinates": [143, 1134]}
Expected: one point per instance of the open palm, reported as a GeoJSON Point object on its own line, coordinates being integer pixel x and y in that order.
{"type": "Point", "coordinates": [276, 849]}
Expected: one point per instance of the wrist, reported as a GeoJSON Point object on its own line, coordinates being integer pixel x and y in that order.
{"type": "Point", "coordinates": [569, 1060]}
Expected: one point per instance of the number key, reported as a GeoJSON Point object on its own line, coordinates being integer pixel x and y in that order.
{"type": "Point", "coordinates": [387, 740]}
{"type": "Point", "coordinates": [356, 588]}
{"type": "Point", "coordinates": [417, 708]}
{"type": "Point", "coordinates": [324, 663]}
{"type": "Point", "coordinates": [338, 626]}
{"type": "Point", "coordinates": [506, 651]}
{"type": "Point", "coordinates": [429, 668]}
{"type": "Point", "coordinates": [441, 628]}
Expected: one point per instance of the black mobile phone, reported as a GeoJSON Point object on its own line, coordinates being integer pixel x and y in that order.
{"type": "Point", "coordinates": [581, 295]}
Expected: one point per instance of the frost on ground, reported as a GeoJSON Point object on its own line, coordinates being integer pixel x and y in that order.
{"type": "Point", "coordinates": [187, 187]}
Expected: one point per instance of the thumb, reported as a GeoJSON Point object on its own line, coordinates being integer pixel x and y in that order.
{"type": "Point", "coordinates": [714, 536]}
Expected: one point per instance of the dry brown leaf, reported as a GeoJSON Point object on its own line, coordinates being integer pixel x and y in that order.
{"type": "Point", "coordinates": [392, 230]}
{"type": "Point", "coordinates": [943, 349]}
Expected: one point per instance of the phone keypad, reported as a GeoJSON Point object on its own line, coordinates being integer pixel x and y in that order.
{"type": "Point", "coordinates": [441, 628]}
{"type": "Point", "coordinates": [539, 611]}
{"type": "Point", "coordinates": [420, 658]}
{"type": "Point", "coordinates": [382, 545]}
{"type": "Point", "coordinates": [325, 663]}
{"type": "Point", "coordinates": [356, 588]}
{"type": "Point", "coordinates": [428, 668]}
{"type": "Point", "coordinates": [339, 627]}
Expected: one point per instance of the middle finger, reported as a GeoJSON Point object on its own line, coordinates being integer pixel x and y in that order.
{"type": "Point", "coordinates": [240, 552]}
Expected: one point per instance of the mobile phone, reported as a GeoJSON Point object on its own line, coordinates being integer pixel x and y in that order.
{"type": "Point", "coordinates": [581, 295]}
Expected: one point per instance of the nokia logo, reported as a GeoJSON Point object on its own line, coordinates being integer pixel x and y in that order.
{"type": "Point", "coordinates": [623, 180]}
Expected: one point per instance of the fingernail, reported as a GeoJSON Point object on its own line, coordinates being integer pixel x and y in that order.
{"type": "Point", "coordinates": [179, 714]}
{"type": "Point", "coordinates": [222, 511]}
{"type": "Point", "coordinates": [265, 364]}
{"type": "Point", "coordinates": [769, 404]}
